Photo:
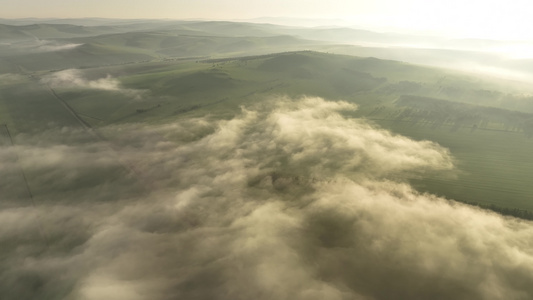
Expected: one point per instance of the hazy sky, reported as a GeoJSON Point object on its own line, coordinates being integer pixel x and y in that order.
{"type": "Point", "coordinates": [482, 18]}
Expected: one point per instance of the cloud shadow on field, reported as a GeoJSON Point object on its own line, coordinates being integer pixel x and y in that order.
{"type": "Point", "coordinates": [74, 78]}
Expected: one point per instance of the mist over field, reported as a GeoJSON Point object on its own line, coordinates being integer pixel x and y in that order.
{"type": "Point", "coordinates": [36, 46]}
{"type": "Point", "coordinates": [290, 199]}
{"type": "Point", "coordinates": [45, 46]}
{"type": "Point", "coordinates": [73, 78]}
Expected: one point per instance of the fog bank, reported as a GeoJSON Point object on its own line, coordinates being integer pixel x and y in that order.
{"type": "Point", "coordinates": [288, 200]}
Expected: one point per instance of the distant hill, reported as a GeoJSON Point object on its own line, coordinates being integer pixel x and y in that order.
{"type": "Point", "coordinates": [53, 46]}
{"type": "Point", "coordinates": [50, 31]}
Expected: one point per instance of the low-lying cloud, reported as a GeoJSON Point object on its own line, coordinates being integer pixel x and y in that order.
{"type": "Point", "coordinates": [38, 45]}
{"type": "Point", "coordinates": [289, 200]}
{"type": "Point", "coordinates": [47, 46]}
{"type": "Point", "coordinates": [73, 78]}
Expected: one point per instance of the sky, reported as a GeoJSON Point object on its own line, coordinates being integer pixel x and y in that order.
{"type": "Point", "coordinates": [474, 18]}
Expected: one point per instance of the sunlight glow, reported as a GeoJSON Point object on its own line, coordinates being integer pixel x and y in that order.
{"type": "Point", "coordinates": [515, 51]}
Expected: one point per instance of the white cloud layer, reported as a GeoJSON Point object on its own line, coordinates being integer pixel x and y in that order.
{"type": "Point", "coordinates": [50, 47]}
{"type": "Point", "coordinates": [73, 78]}
{"type": "Point", "coordinates": [289, 200]}
{"type": "Point", "coordinates": [38, 45]}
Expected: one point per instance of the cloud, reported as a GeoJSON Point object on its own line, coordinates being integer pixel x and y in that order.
{"type": "Point", "coordinates": [41, 45]}
{"type": "Point", "coordinates": [73, 78]}
{"type": "Point", "coordinates": [288, 200]}
{"type": "Point", "coordinates": [50, 47]}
